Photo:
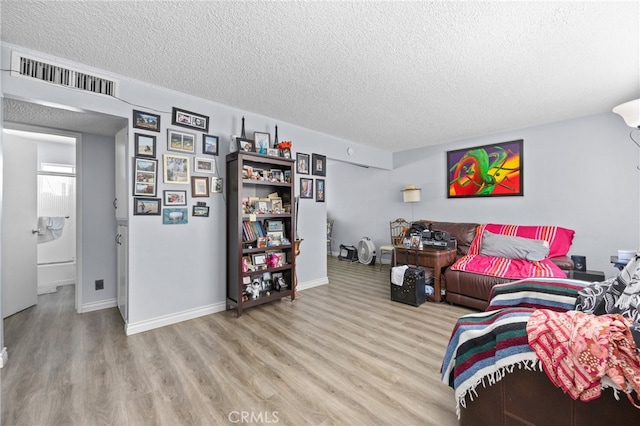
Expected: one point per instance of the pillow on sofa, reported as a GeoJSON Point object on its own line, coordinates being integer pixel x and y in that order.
{"type": "Point", "coordinates": [513, 247]}
{"type": "Point", "coordinates": [559, 239]}
{"type": "Point", "coordinates": [556, 294]}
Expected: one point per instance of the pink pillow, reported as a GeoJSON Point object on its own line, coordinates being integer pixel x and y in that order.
{"type": "Point", "coordinates": [559, 238]}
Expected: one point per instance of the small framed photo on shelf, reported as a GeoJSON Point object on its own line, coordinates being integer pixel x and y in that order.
{"type": "Point", "coordinates": [415, 241]}
{"type": "Point", "coordinates": [199, 186]}
{"type": "Point", "coordinates": [302, 162]}
{"type": "Point", "coordinates": [262, 141]}
{"type": "Point", "coordinates": [320, 190]}
{"type": "Point", "coordinates": [146, 121]}
{"type": "Point", "coordinates": [259, 260]}
{"type": "Point", "coordinates": [306, 188]}
{"type": "Point", "coordinates": [146, 206]}
{"type": "Point", "coordinates": [145, 177]}
{"type": "Point", "coordinates": [276, 225]}
{"type": "Point", "coordinates": [200, 211]}
{"type": "Point", "coordinates": [184, 118]}
{"type": "Point", "coordinates": [319, 163]}
{"type": "Point", "coordinates": [175, 216]}
{"type": "Point", "coordinates": [176, 169]}
{"type": "Point", "coordinates": [181, 141]}
{"type": "Point", "coordinates": [246, 145]}
{"type": "Point", "coordinates": [286, 152]}
{"type": "Point", "coordinates": [210, 144]}
{"type": "Point", "coordinates": [204, 165]}
{"type": "Point", "coordinates": [175, 198]}
{"type": "Point", "coordinates": [216, 184]}
{"type": "Point", "coordinates": [273, 152]}
{"type": "Point", "coordinates": [145, 145]}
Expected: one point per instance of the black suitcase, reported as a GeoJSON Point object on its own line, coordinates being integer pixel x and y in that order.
{"type": "Point", "coordinates": [412, 290]}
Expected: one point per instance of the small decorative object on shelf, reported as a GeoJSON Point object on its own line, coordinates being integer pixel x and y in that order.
{"type": "Point", "coordinates": [242, 133]}
{"type": "Point", "coordinates": [275, 140]}
{"type": "Point", "coordinates": [285, 148]}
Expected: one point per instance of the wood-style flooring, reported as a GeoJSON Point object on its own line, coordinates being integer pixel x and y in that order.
{"type": "Point", "coordinates": [343, 354]}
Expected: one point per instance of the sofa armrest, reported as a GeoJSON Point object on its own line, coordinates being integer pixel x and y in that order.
{"type": "Point", "coordinates": [563, 262]}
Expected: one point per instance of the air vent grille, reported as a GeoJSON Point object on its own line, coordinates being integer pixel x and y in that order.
{"type": "Point", "coordinates": [61, 76]}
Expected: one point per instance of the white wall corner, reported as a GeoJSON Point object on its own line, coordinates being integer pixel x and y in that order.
{"type": "Point", "coordinates": [4, 357]}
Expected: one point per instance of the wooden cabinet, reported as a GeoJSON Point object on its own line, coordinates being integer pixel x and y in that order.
{"type": "Point", "coordinates": [260, 229]}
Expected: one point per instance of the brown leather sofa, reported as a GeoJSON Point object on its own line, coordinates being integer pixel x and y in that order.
{"type": "Point", "coordinates": [525, 397]}
{"type": "Point", "coordinates": [466, 288]}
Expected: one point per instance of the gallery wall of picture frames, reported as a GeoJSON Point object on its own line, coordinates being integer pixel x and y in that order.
{"type": "Point", "coordinates": [189, 159]}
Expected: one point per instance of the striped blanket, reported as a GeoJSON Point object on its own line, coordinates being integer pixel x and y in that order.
{"type": "Point", "coordinates": [485, 346]}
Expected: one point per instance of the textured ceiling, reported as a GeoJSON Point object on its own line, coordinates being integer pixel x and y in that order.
{"type": "Point", "coordinates": [394, 75]}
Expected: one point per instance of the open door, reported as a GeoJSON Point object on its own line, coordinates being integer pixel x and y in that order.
{"type": "Point", "coordinates": [19, 225]}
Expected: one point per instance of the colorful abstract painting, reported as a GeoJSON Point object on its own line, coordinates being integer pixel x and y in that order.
{"type": "Point", "coordinates": [485, 171]}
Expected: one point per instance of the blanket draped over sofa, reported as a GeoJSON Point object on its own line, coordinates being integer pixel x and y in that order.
{"type": "Point", "coordinates": [486, 346]}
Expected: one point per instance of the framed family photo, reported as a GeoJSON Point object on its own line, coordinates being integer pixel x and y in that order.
{"type": "Point", "coordinates": [320, 190]}
{"type": "Point", "coordinates": [216, 184]}
{"type": "Point", "coordinates": [146, 121]}
{"type": "Point", "coordinates": [176, 169]}
{"type": "Point", "coordinates": [199, 186]}
{"type": "Point", "coordinates": [201, 211]}
{"type": "Point", "coordinates": [175, 198]}
{"type": "Point", "coordinates": [319, 163]}
{"type": "Point", "coordinates": [245, 145]}
{"type": "Point", "coordinates": [145, 175]}
{"type": "Point", "coordinates": [181, 117]}
{"type": "Point", "coordinates": [145, 145]}
{"type": "Point", "coordinates": [302, 162]}
{"type": "Point", "coordinates": [210, 144]}
{"type": "Point", "coordinates": [181, 141]}
{"type": "Point", "coordinates": [306, 188]}
{"type": "Point", "coordinates": [204, 165]}
{"type": "Point", "coordinates": [146, 206]}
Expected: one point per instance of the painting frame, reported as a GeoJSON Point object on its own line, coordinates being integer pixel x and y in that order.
{"type": "Point", "coordinates": [174, 198]}
{"type": "Point", "coordinates": [302, 163]}
{"type": "Point", "coordinates": [318, 165]}
{"type": "Point", "coordinates": [146, 120]}
{"type": "Point", "coordinates": [320, 190]}
{"type": "Point", "coordinates": [200, 211]}
{"type": "Point", "coordinates": [306, 188]}
{"type": "Point", "coordinates": [464, 180]}
{"type": "Point", "coordinates": [181, 141]}
{"type": "Point", "coordinates": [144, 206]}
{"type": "Point", "coordinates": [145, 177]}
{"type": "Point", "coordinates": [216, 184]}
{"type": "Point", "coordinates": [176, 169]}
{"type": "Point", "coordinates": [246, 145]}
{"type": "Point", "coordinates": [199, 186]}
{"type": "Point", "coordinates": [262, 142]}
{"type": "Point", "coordinates": [145, 145]}
{"type": "Point", "coordinates": [210, 144]}
{"type": "Point", "coordinates": [192, 120]}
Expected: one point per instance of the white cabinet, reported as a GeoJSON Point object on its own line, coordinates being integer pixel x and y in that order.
{"type": "Point", "coordinates": [122, 242]}
{"type": "Point", "coordinates": [121, 201]}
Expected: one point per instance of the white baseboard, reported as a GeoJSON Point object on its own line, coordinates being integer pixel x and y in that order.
{"type": "Point", "coordinates": [4, 357]}
{"type": "Point", "coordinates": [150, 324]}
{"type": "Point", "coordinates": [96, 306]}
{"type": "Point", "coordinates": [314, 283]}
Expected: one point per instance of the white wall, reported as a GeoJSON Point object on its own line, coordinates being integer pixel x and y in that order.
{"type": "Point", "coordinates": [178, 271]}
{"type": "Point", "coordinates": [580, 174]}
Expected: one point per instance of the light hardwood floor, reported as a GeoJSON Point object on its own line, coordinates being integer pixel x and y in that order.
{"type": "Point", "coordinates": [342, 354]}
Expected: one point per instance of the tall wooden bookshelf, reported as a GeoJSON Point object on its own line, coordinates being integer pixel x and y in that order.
{"type": "Point", "coordinates": [261, 225]}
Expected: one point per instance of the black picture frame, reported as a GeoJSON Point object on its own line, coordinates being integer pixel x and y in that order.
{"type": "Point", "coordinates": [319, 165]}
{"type": "Point", "coordinates": [200, 211]}
{"type": "Point", "coordinates": [302, 163]}
{"type": "Point", "coordinates": [210, 144]}
{"type": "Point", "coordinates": [180, 141]}
{"type": "Point", "coordinates": [143, 206]}
{"type": "Point", "coordinates": [320, 190]}
{"type": "Point", "coordinates": [306, 188]}
{"type": "Point", "coordinates": [145, 177]}
{"type": "Point", "coordinates": [146, 121]}
{"type": "Point", "coordinates": [145, 145]}
{"type": "Point", "coordinates": [192, 120]}
{"type": "Point", "coordinates": [246, 145]}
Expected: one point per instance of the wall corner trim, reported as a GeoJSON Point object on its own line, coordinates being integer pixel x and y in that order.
{"type": "Point", "coordinates": [150, 324]}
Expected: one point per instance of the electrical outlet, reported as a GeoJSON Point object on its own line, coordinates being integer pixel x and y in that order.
{"type": "Point", "coordinates": [99, 284]}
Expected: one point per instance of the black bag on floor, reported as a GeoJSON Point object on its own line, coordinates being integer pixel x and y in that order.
{"type": "Point", "coordinates": [412, 290]}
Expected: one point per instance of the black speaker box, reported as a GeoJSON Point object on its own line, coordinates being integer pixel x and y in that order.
{"type": "Point", "coordinates": [579, 263]}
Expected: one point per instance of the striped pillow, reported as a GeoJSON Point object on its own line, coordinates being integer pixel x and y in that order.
{"type": "Point", "coordinates": [556, 294]}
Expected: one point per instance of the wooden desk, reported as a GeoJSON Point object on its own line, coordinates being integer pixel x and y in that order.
{"type": "Point", "coordinates": [438, 259]}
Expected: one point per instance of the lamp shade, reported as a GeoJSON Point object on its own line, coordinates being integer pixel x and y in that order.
{"type": "Point", "coordinates": [411, 194]}
{"type": "Point", "coordinates": [630, 112]}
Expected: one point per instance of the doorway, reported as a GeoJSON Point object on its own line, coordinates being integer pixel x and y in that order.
{"type": "Point", "coordinates": [40, 205]}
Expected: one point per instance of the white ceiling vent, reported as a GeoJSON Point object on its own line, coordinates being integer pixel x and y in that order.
{"type": "Point", "coordinates": [30, 67]}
